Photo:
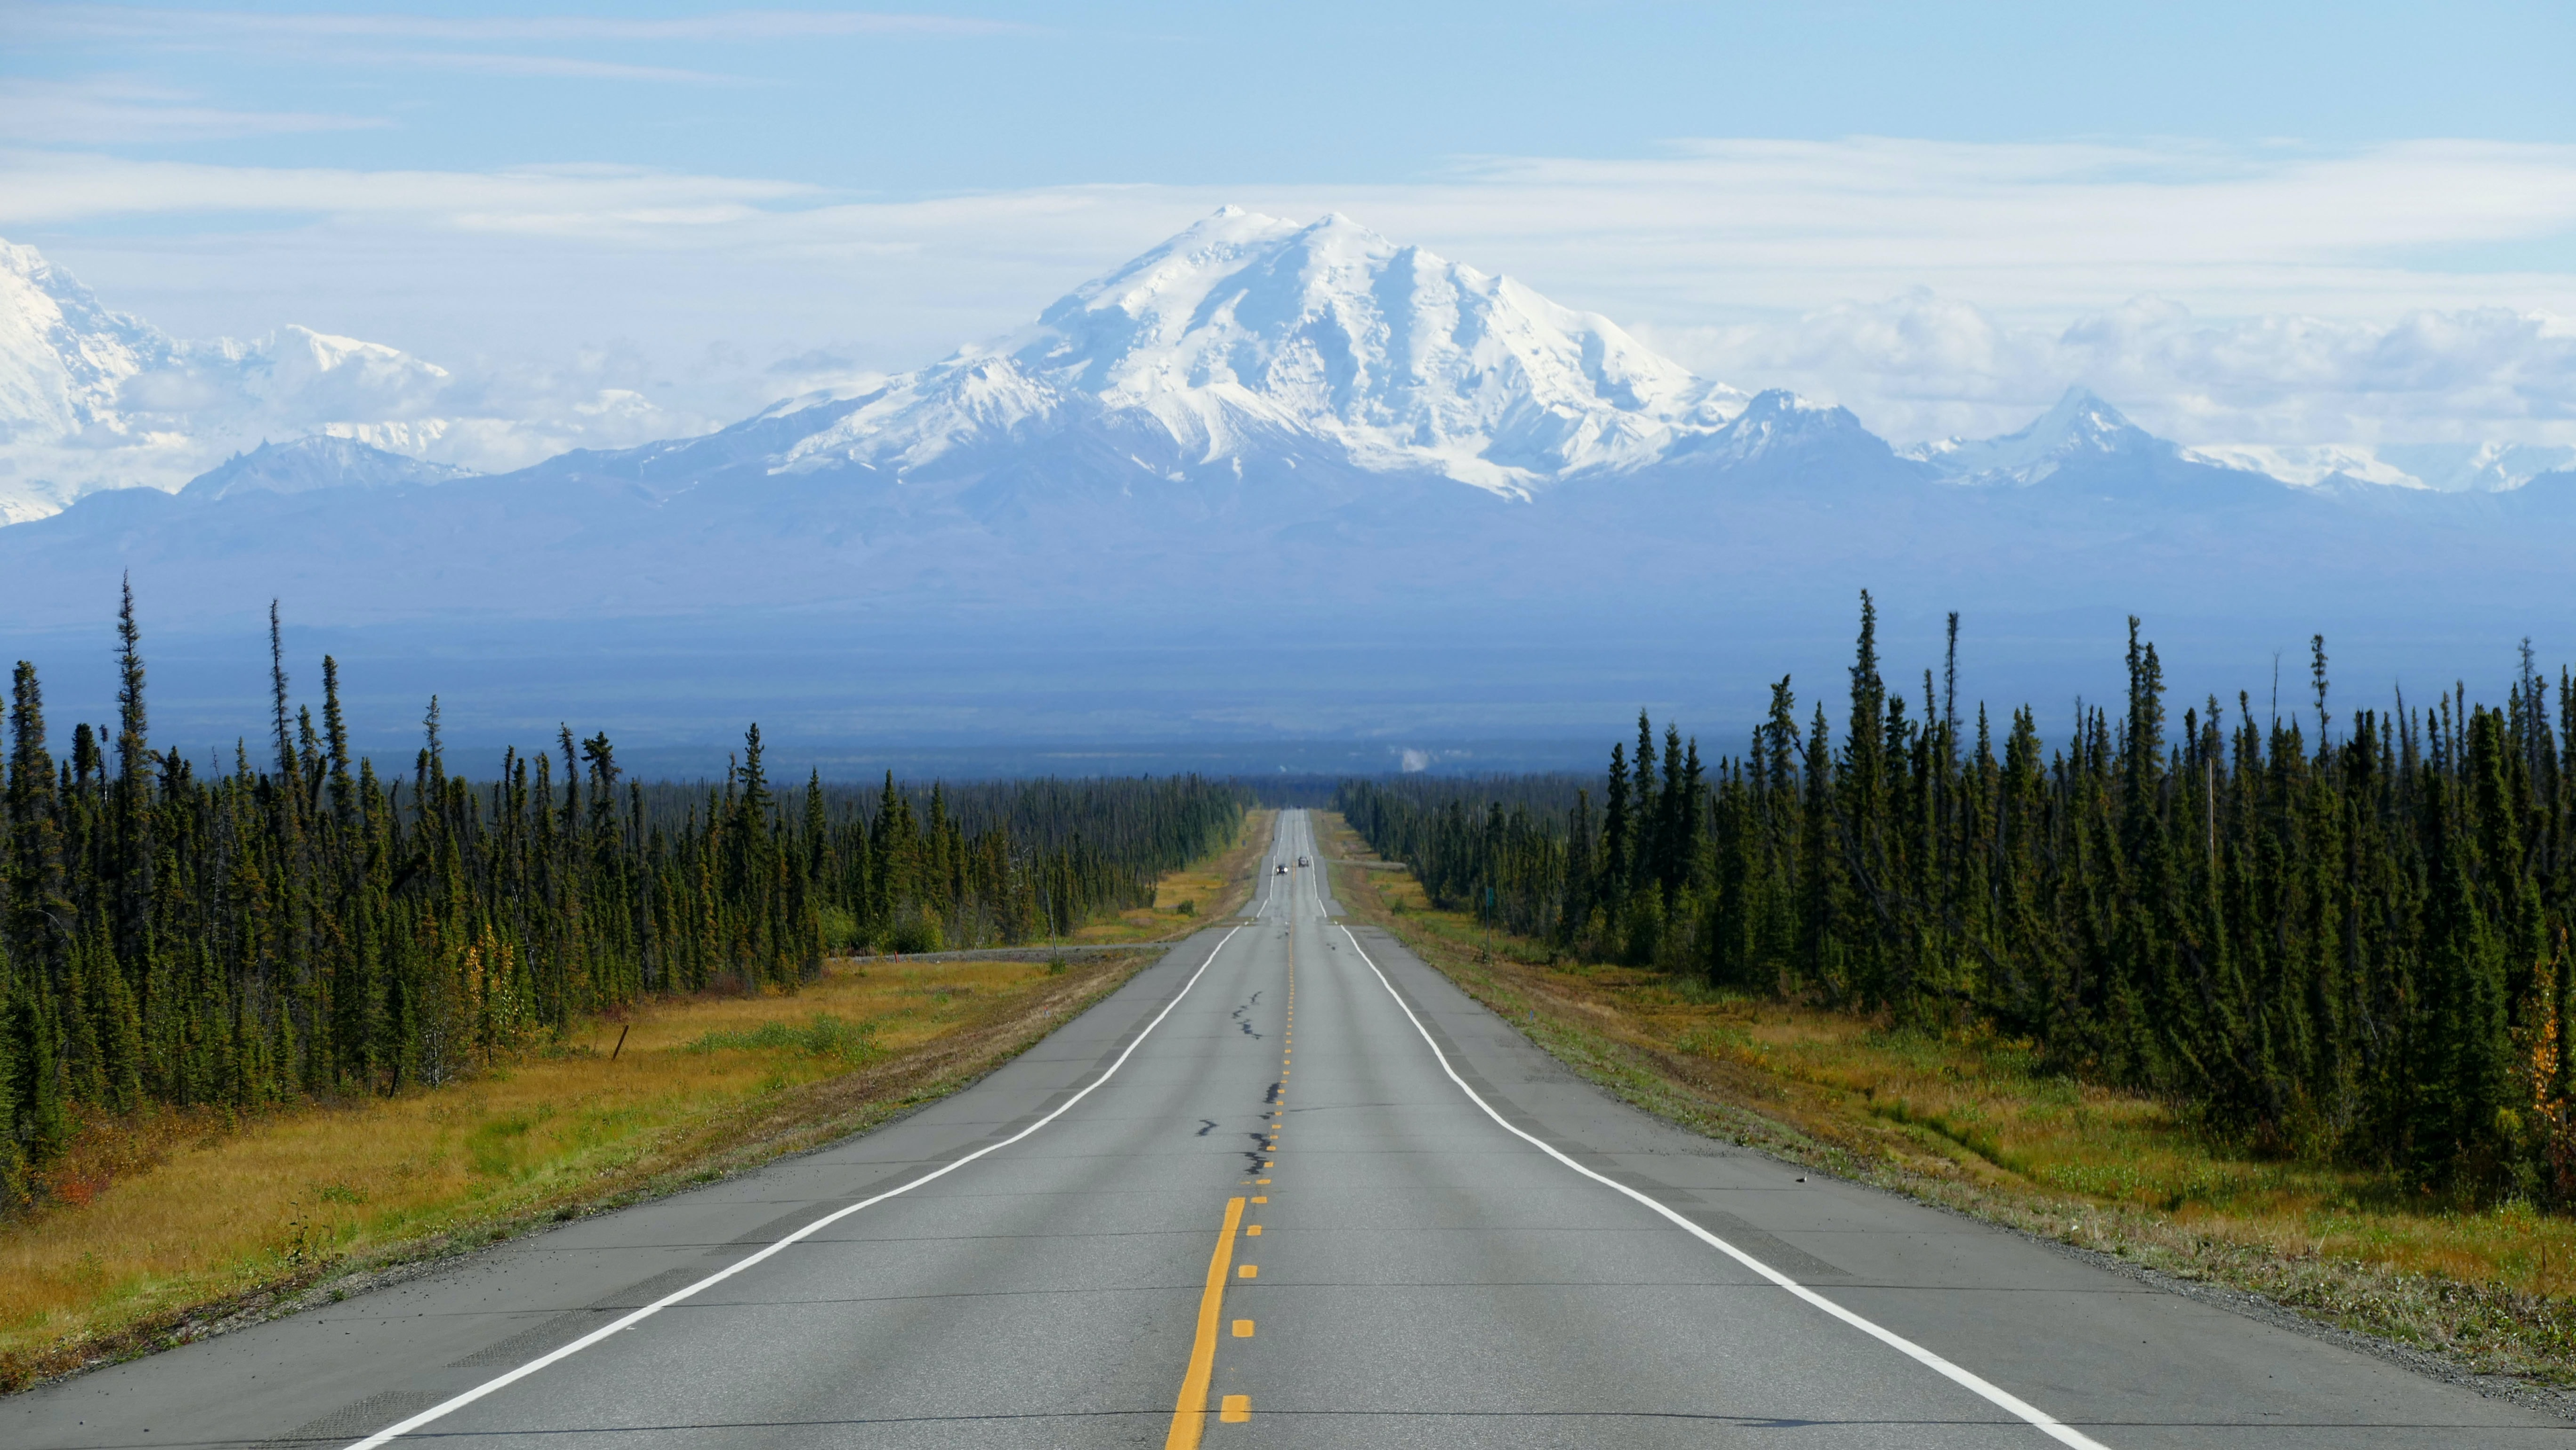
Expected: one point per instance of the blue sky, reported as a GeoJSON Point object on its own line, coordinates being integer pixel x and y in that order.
{"type": "Point", "coordinates": [1019, 95]}
{"type": "Point", "coordinates": [1910, 208]}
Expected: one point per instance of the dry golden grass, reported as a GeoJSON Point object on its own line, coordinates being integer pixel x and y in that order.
{"type": "Point", "coordinates": [288, 1196]}
{"type": "Point", "coordinates": [1210, 888]}
{"type": "Point", "coordinates": [160, 1224]}
{"type": "Point", "coordinates": [1971, 1120]}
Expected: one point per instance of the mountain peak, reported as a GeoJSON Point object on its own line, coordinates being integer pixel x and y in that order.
{"type": "Point", "coordinates": [2079, 425]}
{"type": "Point", "coordinates": [92, 398]}
{"type": "Point", "coordinates": [2081, 413]}
{"type": "Point", "coordinates": [320, 460]}
{"type": "Point", "coordinates": [63, 354]}
{"type": "Point", "coordinates": [1780, 428]}
{"type": "Point", "coordinates": [1245, 327]}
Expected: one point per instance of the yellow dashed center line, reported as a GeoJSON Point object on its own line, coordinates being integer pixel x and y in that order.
{"type": "Point", "coordinates": [1189, 1415]}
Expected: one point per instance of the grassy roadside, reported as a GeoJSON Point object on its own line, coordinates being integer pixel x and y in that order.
{"type": "Point", "coordinates": [240, 1225]}
{"type": "Point", "coordinates": [1191, 897]}
{"type": "Point", "coordinates": [182, 1224]}
{"type": "Point", "coordinates": [1969, 1123]}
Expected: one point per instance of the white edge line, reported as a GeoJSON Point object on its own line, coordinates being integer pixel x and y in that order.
{"type": "Point", "coordinates": [438, 1411]}
{"type": "Point", "coordinates": [1994, 1393]}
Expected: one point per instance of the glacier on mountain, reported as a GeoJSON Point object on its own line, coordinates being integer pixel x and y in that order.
{"type": "Point", "coordinates": [1245, 331]}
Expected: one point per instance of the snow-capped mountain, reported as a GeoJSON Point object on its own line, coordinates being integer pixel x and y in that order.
{"type": "Point", "coordinates": [1779, 429]}
{"type": "Point", "coordinates": [92, 398]}
{"type": "Point", "coordinates": [1247, 334]}
{"type": "Point", "coordinates": [318, 461]}
{"type": "Point", "coordinates": [1318, 449]}
{"type": "Point", "coordinates": [2434, 467]}
{"type": "Point", "coordinates": [64, 358]}
{"type": "Point", "coordinates": [1303, 459]}
{"type": "Point", "coordinates": [2080, 431]}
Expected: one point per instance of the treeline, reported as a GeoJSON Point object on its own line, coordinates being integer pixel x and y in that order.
{"type": "Point", "coordinates": [305, 925]}
{"type": "Point", "coordinates": [2341, 936]}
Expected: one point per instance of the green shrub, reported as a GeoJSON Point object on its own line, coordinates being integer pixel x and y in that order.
{"type": "Point", "coordinates": [840, 930]}
{"type": "Point", "coordinates": [824, 1036]}
{"type": "Point", "coordinates": [914, 934]}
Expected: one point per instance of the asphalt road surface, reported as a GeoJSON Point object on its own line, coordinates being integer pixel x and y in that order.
{"type": "Point", "coordinates": [1287, 1187]}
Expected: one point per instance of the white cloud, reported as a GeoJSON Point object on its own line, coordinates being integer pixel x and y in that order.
{"type": "Point", "coordinates": [399, 39]}
{"type": "Point", "coordinates": [1924, 365]}
{"type": "Point", "coordinates": [542, 67]}
{"type": "Point", "coordinates": [1808, 224]}
{"type": "Point", "coordinates": [107, 110]}
{"type": "Point", "coordinates": [40, 188]}
{"type": "Point", "coordinates": [144, 23]}
{"type": "Point", "coordinates": [1717, 224]}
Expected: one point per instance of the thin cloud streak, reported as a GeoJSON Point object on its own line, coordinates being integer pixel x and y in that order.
{"type": "Point", "coordinates": [1749, 226]}
{"type": "Point", "coordinates": [137, 23]}
{"type": "Point", "coordinates": [54, 188]}
{"type": "Point", "coordinates": [545, 67]}
{"type": "Point", "coordinates": [105, 111]}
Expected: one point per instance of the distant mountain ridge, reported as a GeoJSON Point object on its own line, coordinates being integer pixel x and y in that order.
{"type": "Point", "coordinates": [95, 399]}
{"type": "Point", "coordinates": [317, 461]}
{"type": "Point", "coordinates": [1262, 405]}
{"type": "Point", "coordinates": [1274, 478]}
{"type": "Point", "coordinates": [1244, 347]}
{"type": "Point", "coordinates": [2080, 429]}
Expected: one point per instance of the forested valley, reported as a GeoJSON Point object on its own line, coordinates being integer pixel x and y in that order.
{"type": "Point", "coordinates": [2336, 936]}
{"type": "Point", "coordinates": [301, 925]}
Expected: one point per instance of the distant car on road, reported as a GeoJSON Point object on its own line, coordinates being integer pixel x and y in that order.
{"type": "Point", "coordinates": [1301, 860]}
{"type": "Point", "coordinates": [1283, 868]}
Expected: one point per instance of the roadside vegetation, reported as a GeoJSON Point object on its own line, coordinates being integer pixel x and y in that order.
{"type": "Point", "coordinates": [187, 1220]}
{"type": "Point", "coordinates": [2275, 994]}
{"type": "Point", "coordinates": [1186, 899]}
{"type": "Point", "coordinates": [261, 1025]}
{"type": "Point", "coordinates": [244, 939]}
{"type": "Point", "coordinates": [2339, 937]}
{"type": "Point", "coordinates": [1978, 1122]}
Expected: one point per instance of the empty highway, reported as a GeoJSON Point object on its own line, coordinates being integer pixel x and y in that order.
{"type": "Point", "coordinates": [1286, 1187]}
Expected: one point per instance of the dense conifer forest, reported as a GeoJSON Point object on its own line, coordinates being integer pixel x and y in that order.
{"type": "Point", "coordinates": [303, 925]}
{"type": "Point", "coordinates": [2336, 935]}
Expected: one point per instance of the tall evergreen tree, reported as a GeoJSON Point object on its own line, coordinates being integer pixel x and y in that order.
{"type": "Point", "coordinates": [2341, 934]}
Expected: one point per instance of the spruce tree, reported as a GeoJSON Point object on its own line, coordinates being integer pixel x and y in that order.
{"type": "Point", "coordinates": [41, 917]}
